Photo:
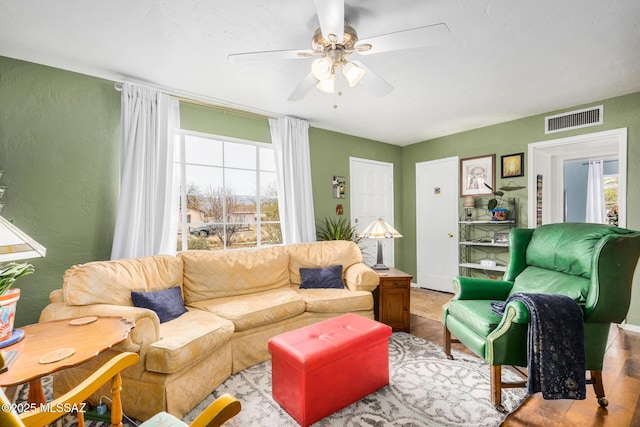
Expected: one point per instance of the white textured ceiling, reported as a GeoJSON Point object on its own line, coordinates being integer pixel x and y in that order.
{"type": "Point", "coordinates": [507, 59]}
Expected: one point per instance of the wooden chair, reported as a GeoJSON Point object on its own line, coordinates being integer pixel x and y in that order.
{"type": "Point", "coordinates": [221, 410]}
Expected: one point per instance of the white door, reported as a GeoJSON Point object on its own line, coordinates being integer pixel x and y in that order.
{"type": "Point", "coordinates": [371, 199]}
{"type": "Point", "coordinates": [437, 246]}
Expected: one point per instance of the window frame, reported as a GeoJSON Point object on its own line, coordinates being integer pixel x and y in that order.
{"type": "Point", "coordinates": [181, 184]}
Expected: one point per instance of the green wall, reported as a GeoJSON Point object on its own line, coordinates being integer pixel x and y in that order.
{"type": "Point", "coordinates": [59, 136]}
{"type": "Point", "coordinates": [514, 137]}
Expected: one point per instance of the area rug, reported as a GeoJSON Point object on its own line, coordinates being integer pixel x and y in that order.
{"type": "Point", "coordinates": [429, 304]}
{"type": "Point", "coordinates": [425, 389]}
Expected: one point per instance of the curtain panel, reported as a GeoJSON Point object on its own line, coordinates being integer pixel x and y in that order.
{"type": "Point", "coordinates": [290, 139]}
{"type": "Point", "coordinates": [595, 193]}
{"type": "Point", "coordinates": [147, 214]}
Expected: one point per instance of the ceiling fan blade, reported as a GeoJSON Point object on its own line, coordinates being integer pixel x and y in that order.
{"type": "Point", "coordinates": [407, 39]}
{"type": "Point", "coordinates": [303, 88]}
{"type": "Point", "coordinates": [267, 56]}
{"type": "Point", "coordinates": [373, 82]}
{"type": "Point", "coordinates": [331, 17]}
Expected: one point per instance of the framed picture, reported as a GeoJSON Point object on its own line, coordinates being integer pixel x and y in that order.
{"type": "Point", "coordinates": [512, 165]}
{"type": "Point", "coordinates": [501, 237]}
{"type": "Point", "coordinates": [338, 187]}
{"type": "Point", "coordinates": [475, 172]}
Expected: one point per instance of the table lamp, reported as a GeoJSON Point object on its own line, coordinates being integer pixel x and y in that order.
{"type": "Point", "coordinates": [379, 229]}
{"type": "Point", "coordinates": [469, 203]}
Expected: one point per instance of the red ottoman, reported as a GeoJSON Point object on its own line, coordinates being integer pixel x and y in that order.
{"type": "Point", "coordinates": [321, 368]}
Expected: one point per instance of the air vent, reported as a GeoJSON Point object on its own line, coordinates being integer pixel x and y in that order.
{"type": "Point", "coordinates": [591, 116]}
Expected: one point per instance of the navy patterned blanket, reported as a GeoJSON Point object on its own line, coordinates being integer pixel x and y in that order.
{"type": "Point", "coordinates": [556, 353]}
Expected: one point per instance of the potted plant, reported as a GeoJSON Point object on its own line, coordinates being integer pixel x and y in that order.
{"type": "Point", "coordinates": [496, 205]}
{"type": "Point", "coordinates": [337, 229]}
{"type": "Point", "coordinates": [9, 296]}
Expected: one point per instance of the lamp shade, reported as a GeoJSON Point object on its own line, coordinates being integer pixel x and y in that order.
{"type": "Point", "coordinates": [327, 85]}
{"type": "Point", "coordinates": [16, 245]}
{"type": "Point", "coordinates": [469, 202]}
{"type": "Point", "coordinates": [380, 229]}
{"type": "Point", "coordinates": [352, 73]}
{"type": "Point", "coordinates": [322, 68]}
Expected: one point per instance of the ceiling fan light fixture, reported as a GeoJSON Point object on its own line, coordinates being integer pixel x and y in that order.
{"type": "Point", "coordinates": [322, 68]}
{"type": "Point", "coordinates": [352, 73]}
{"type": "Point", "coordinates": [327, 85]}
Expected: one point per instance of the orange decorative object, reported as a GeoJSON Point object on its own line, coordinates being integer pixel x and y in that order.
{"type": "Point", "coordinates": [322, 368]}
{"type": "Point", "coordinates": [339, 210]}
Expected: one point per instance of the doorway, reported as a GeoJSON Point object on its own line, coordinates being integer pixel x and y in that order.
{"type": "Point", "coordinates": [547, 160]}
{"type": "Point", "coordinates": [371, 199]}
{"type": "Point", "coordinates": [437, 247]}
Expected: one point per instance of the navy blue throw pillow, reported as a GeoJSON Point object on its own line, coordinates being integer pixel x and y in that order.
{"type": "Point", "coordinates": [316, 278]}
{"type": "Point", "coordinates": [168, 304]}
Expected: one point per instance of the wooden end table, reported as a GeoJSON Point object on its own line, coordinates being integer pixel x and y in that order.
{"type": "Point", "coordinates": [45, 342]}
{"type": "Point", "coordinates": [392, 299]}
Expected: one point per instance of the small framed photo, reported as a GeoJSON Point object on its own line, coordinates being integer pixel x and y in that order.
{"type": "Point", "coordinates": [512, 165]}
{"type": "Point", "coordinates": [475, 172]}
{"type": "Point", "coordinates": [338, 187]}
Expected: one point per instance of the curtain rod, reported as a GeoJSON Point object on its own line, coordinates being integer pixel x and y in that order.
{"type": "Point", "coordinates": [603, 161]}
{"type": "Point", "coordinates": [118, 87]}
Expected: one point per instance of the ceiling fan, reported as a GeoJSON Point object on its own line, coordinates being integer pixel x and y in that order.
{"type": "Point", "coordinates": [335, 42]}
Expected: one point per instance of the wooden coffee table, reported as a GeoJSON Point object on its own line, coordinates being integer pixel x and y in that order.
{"type": "Point", "coordinates": [51, 346]}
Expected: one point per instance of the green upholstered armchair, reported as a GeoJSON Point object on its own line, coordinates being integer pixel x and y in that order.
{"type": "Point", "coordinates": [591, 263]}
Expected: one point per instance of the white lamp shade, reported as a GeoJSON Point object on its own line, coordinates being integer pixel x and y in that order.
{"type": "Point", "coordinates": [327, 85]}
{"type": "Point", "coordinates": [380, 229]}
{"type": "Point", "coordinates": [322, 68]}
{"type": "Point", "coordinates": [352, 73]}
{"type": "Point", "coordinates": [16, 245]}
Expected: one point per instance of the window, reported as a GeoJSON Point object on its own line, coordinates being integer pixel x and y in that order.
{"type": "Point", "coordinates": [611, 198]}
{"type": "Point", "coordinates": [228, 193]}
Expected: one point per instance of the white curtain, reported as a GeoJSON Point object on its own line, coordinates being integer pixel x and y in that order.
{"type": "Point", "coordinates": [595, 193]}
{"type": "Point", "coordinates": [290, 138]}
{"type": "Point", "coordinates": [147, 216]}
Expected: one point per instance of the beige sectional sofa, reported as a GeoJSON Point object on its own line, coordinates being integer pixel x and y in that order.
{"type": "Point", "coordinates": [236, 301]}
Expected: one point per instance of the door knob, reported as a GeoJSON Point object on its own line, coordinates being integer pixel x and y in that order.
{"type": "Point", "coordinates": [450, 234]}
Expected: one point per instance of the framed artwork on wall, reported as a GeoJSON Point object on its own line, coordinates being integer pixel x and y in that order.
{"type": "Point", "coordinates": [512, 165]}
{"type": "Point", "coordinates": [475, 172]}
{"type": "Point", "coordinates": [338, 187]}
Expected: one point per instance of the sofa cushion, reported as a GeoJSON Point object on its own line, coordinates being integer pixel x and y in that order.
{"type": "Point", "coordinates": [335, 300]}
{"type": "Point", "coordinates": [167, 303]}
{"type": "Point", "coordinates": [541, 281]}
{"type": "Point", "coordinates": [321, 254]}
{"type": "Point", "coordinates": [187, 339]}
{"type": "Point", "coordinates": [323, 277]}
{"type": "Point", "coordinates": [220, 274]}
{"type": "Point", "coordinates": [111, 282]}
{"type": "Point", "coordinates": [256, 309]}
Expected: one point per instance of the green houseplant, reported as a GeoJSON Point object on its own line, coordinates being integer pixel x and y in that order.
{"type": "Point", "coordinates": [339, 228]}
{"type": "Point", "coordinates": [12, 271]}
{"type": "Point", "coordinates": [497, 205]}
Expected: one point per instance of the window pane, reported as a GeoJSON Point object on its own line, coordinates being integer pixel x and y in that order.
{"type": "Point", "coordinates": [240, 182]}
{"type": "Point", "coordinates": [202, 151]}
{"type": "Point", "coordinates": [239, 155]}
{"type": "Point", "coordinates": [203, 179]}
{"type": "Point", "coordinates": [267, 160]}
{"type": "Point", "coordinates": [270, 233]}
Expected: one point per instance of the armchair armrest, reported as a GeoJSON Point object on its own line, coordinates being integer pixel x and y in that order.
{"type": "Point", "coordinates": [73, 399]}
{"type": "Point", "coordinates": [146, 332]}
{"type": "Point", "coordinates": [216, 414]}
{"type": "Point", "coordinates": [483, 289]}
{"type": "Point", "coordinates": [360, 277]}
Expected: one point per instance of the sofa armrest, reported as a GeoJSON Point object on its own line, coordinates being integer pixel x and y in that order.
{"type": "Point", "coordinates": [360, 277]}
{"type": "Point", "coordinates": [482, 289]}
{"type": "Point", "coordinates": [145, 333]}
